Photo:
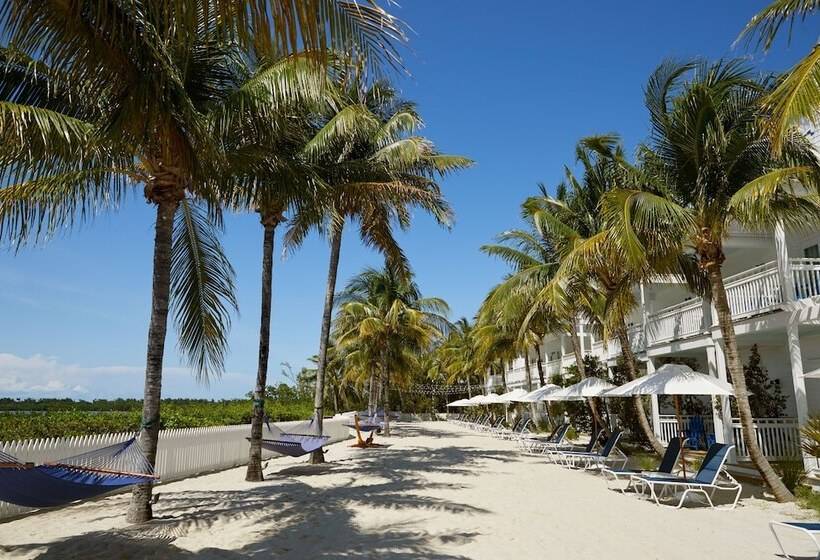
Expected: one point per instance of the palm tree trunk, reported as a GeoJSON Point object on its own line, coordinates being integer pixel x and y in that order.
{"type": "Point", "coordinates": [528, 371]}
{"type": "Point", "coordinates": [632, 370]}
{"type": "Point", "coordinates": [140, 509]}
{"type": "Point", "coordinates": [579, 362]}
{"type": "Point", "coordinates": [540, 363]}
{"type": "Point", "coordinates": [385, 393]}
{"type": "Point", "coordinates": [254, 472]}
{"type": "Point", "coordinates": [371, 393]}
{"type": "Point", "coordinates": [503, 376]}
{"type": "Point", "coordinates": [735, 367]}
{"type": "Point", "coordinates": [318, 456]}
{"type": "Point", "coordinates": [469, 389]}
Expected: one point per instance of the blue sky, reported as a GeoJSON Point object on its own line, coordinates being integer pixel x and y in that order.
{"type": "Point", "coordinates": [514, 90]}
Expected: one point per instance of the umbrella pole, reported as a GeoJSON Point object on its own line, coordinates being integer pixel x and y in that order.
{"type": "Point", "coordinates": [680, 435]}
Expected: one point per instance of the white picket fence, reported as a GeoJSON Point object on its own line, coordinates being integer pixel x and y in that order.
{"type": "Point", "coordinates": [181, 453]}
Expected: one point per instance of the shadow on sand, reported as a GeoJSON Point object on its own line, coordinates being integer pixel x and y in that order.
{"type": "Point", "coordinates": [289, 518]}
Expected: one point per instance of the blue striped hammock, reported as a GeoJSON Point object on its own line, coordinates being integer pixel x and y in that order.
{"type": "Point", "coordinates": [74, 478]}
{"type": "Point", "coordinates": [294, 443]}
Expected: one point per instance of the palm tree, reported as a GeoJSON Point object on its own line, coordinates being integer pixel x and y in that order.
{"type": "Point", "coordinates": [712, 168]}
{"type": "Point", "coordinates": [377, 169]}
{"type": "Point", "coordinates": [383, 312]}
{"type": "Point", "coordinates": [550, 306]}
{"type": "Point", "coordinates": [588, 254]}
{"type": "Point", "coordinates": [99, 97]}
{"type": "Point", "coordinates": [796, 98]}
{"type": "Point", "coordinates": [460, 361]}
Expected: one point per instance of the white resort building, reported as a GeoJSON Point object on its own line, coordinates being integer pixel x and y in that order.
{"type": "Point", "coordinates": [773, 286]}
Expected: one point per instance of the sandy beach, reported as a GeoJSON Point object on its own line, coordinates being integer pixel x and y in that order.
{"type": "Point", "coordinates": [436, 491]}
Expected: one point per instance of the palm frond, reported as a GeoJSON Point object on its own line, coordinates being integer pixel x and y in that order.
{"type": "Point", "coordinates": [202, 291]}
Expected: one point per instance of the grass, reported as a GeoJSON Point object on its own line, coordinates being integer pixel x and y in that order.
{"type": "Point", "coordinates": [807, 498]}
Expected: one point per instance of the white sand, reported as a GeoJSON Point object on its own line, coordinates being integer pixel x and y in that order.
{"type": "Point", "coordinates": [437, 492]}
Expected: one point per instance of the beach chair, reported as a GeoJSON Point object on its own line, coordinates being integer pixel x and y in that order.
{"type": "Point", "coordinates": [595, 459]}
{"type": "Point", "coordinates": [501, 430]}
{"type": "Point", "coordinates": [519, 431]}
{"type": "Point", "coordinates": [705, 482]}
{"type": "Point", "coordinates": [668, 462]}
{"type": "Point", "coordinates": [552, 451]}
{"type": "Point", "coordinates": [810, 529]}
{"type": "Point", "coordinates": [533, 445]}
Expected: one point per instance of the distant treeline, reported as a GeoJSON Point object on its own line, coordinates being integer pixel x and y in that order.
{"type": "Point", "coordinates": [40, 418]}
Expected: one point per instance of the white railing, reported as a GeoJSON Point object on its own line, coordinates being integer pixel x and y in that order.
{"type": "Point", "coordinates": [636, 341]}
{"type": "Point", "coordinates": [806, 277]}
{"type": "Point", "coordinates": [778, 438]}
{"type": "Point", "coordinates": [678, 321]}
{"type": "Point", "coordinates": [181, 452]}
{"type": "Point", "coordinates": [754, 290]}
{"type": "Point", "coordinates": [669, 427]}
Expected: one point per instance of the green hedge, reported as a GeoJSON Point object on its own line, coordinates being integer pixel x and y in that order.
{"type": "Point", "coordinates": [176, 413]}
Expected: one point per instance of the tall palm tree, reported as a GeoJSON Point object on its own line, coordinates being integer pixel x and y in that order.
{"type": "Point", "coordinates": [712, 168]}
{"type": "Point", "coordinates": [377, 169]}
{"type": "Point", "coordinates": [588, 253]}
{"type": "Point", "coordinates": [270, 176]}
{"type": "Point", "coordinates": [384, 312]}
{"type": "Point", "coordinates": [796, 98]}
{"type": "Point", "coordinates": [534, 256]}
{"type": "Point", "coordinates": [98, 97]}
{"type": "Point", "coordinates": [460, 361]}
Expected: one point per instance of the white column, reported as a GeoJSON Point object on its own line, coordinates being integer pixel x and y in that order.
{"type": "Point", "coordinates": [723, 420]}
{"type": "Point", "coordinates": [796, 358]}
{"type": "Point", "coordinates": [656, 409]}
{"type": "Point", "coordinates": [644, 333]}
{"type": "Point", "coordinates": [784, 269]}
{"type": "Point", "coordinates": [581, 338]}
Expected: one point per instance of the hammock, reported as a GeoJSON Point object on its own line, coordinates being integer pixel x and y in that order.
{"type": "Point", "coordinates": [295, 443]}
{"type": "Point", "coordinates": [73, 478]}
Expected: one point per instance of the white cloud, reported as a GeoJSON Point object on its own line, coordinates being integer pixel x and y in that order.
{"type": "Point", "coordinates": [40, 376]}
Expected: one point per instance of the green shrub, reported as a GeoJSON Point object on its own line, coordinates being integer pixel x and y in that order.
{"type": "Point", "coordinates": [792, 472]}
{"type": "Point", "coordinates": [807, 498]}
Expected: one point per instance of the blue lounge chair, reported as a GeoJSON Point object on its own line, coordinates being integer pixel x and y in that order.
{"type": "Point", "coordinates": [668, 462]}
{"type": "Point", "coordinates": [595, 459]}
{"type": "Point", "coordinates": [536, 446]}
{"type": "Point", "coordinates": [553, 451]}
{"type": "Point", "coordinates": [812, 530]}
{"type": "Point", "coordinates": [705, 482]}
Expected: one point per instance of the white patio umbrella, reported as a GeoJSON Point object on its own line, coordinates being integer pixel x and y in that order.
{"type": "Point", "coordinates": [584, 389]}
{"type": "Point", "coordinates": [492, 398]}
{"type": "Point", "coordinates": [475, 401]}
{"type": "Point", "coordinates": [512, 396]}
{"type": "Point", "coordinates": [539, 394]}
{"type": "Point", "coordinates": [675, 380]}
{"type": "Point", "coordinates": [460, 402]}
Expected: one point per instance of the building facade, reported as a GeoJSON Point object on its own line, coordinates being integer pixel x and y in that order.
{"type": "Point", "coordinates": [773, 286]}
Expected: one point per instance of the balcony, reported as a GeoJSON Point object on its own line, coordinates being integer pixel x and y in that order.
{"type": "Point", "coordinates": [749, 293]}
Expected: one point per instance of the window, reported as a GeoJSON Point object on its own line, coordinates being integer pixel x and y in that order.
{"type": "Point", "coordinates": [812, 252]}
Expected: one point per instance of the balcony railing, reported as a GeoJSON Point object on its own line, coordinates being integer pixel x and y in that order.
{"type": "Point", "coordinates": [678, 321]}
{"type": "Point", "coordinates": [778, 438]}
{"type": "Point", "coordinates": [754, 291]}
{"type": "Point", "coordinates": [636, 341]}
{"type": "Point", "coordinates": [806, 277]}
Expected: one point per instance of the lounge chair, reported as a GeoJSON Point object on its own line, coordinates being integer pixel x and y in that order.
{"type": "Point", "coordinates": [518, 432]}
{"type": "Point", "coordinates": [812, 530]}
{"type": "Point", "coordinates": [533, 445]}
{"type": "Point", "coordinates": [668, 462]}
{"type": "Point", "coordinates": [595, 459]}
{"type": "Point", "coordinates": [705, 482]}
{"type": "Point", "coordinates": [553, 451]}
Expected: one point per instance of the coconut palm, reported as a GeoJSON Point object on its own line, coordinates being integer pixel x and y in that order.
{"type": "Point", "coordinates": [712, 168]}
{"type": "Point", "coordinates": [383, 312]}
{"type": "Point", "coordinates": [459, 357]}
{"type": "Point", "coordinates": [377, 168]}
{"type": "Point", "coordinates": [796, 98]}
{"type": "Point", "coordinates": [588, 254]}
{"type": "Point", "coordinates": [98, 97]}
{"type": "Point", "coordinates": [551, 306]}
